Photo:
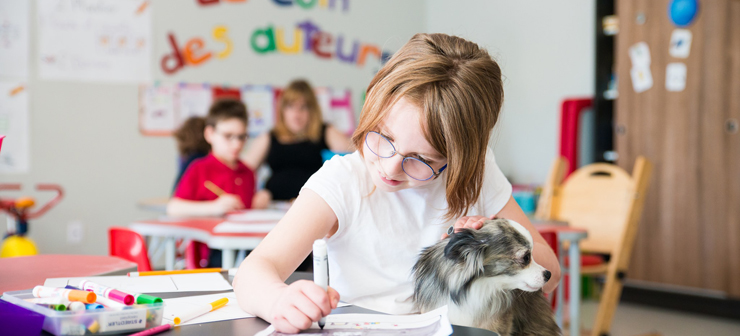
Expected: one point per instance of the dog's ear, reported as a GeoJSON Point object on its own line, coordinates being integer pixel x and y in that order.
{"type": "Point", "coordinates": [463, 246]}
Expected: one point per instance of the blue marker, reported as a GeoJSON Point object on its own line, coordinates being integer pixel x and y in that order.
{"type": "Point", "coordinates": [93, 306]}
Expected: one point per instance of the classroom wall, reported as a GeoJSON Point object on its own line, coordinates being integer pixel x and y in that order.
{"type": "Point", "coordinates": [85, 136]}
{"type": "Point", "coordinates": [546, 52]}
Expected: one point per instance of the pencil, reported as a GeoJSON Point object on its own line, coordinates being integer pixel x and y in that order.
{"type": "Point", "coordinates": [154, 331]}
{"type": "Point", "coordinates": [190, 271]}
{"type": "Point", "coordinates": [213, 188]}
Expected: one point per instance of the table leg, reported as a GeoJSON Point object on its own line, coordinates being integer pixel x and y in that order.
{"type": "Point", "coordinates": [560, 292]}
{"type": "Point", "coordinates": [575, 288]}
{"type": "Point", "coordinates": [227, 258]}
{"type": "Point", "coordinates": [169, 253]}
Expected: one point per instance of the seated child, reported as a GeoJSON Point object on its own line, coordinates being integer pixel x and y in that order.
{"type": "Point", "coordinates": [217, 183]}
{"type": "Point", "coordinates": [191, 144]}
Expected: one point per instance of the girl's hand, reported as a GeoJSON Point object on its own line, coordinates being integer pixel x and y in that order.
{"type": "Point", "coordinates": [226, 203]}
{"type": "Point", "coordinates": [300, 304]}
{"type": "Point", "coordinates": [467, 222]}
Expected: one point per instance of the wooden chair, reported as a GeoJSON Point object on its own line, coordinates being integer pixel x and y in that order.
{"type": "Point", "coordinates": [605, 200]}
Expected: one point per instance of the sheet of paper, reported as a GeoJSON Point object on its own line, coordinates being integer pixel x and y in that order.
{"type": "Point", "coordinates": [640, 54]}
{"type": "Point", "coordinates": [675, 77]}
{"type": "Point", "coordinates": [194, 100]}
{"type": "Point", "coordinates": [680, 43]}
{"type": "Point", "coordinates": [94, 40]}
{"type": "Point", "coordinates": [14, 124]}
{"type": "Point", "coordinates": [257, 216]}
{"type": "Point", "coordinates": [152, 284]}
{"type": "Point", "coordinates": [642, 78]}
{"type": "Point", "coordinates": [342, 115]}
{"type": "Point", "coordinates": [260, 101]}
{"type": "Point", "coordinates": [230, 311]}
{"type": "Point", "coordinates": [157, 108]}
{"type": "Point", "coordinates": [14, 38]}
{"type": "Point", "coordinates": [238, 227]}
{"type": "Point", "coordinates": [432, 323]}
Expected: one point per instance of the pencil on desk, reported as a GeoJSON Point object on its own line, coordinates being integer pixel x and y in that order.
{"type": "Point", "coordinates": [154, 331]}
{"type": "Point", "coordinates": [190, 271]}
{"type": "Point", "coordinates": [214, 188]}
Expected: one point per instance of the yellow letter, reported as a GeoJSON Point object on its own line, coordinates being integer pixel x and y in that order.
{"type": "Point", "coordinates": [219, 34]}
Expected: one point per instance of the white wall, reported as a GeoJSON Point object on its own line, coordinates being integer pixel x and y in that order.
{"type": "Point", "coordinates": [546, 51]}
{"type": "Point", "coordinates": [85, 136]}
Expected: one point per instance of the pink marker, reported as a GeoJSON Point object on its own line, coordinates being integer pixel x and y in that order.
{"type": "Point", "coordinates": [108, 292]}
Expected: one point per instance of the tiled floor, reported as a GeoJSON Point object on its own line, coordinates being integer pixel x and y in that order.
{"type": "Point", "coordinates": [633, 320]}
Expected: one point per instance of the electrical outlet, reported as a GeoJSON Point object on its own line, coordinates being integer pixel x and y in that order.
{"type": "Point", "coordinates": [75, 232]}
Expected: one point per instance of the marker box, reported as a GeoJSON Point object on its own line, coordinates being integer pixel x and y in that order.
{"type": "Point", "coordinates": [106, 321]}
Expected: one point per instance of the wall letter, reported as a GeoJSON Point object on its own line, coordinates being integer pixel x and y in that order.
{"type": "Point", "coordinates": [219, 34]}
{"type": "Point", "coordinates": [366, 49]}
{"type": "Point", "coordinates": [192, 48]}
{"type": "Point", "coordinates": [320, 41]}
{"type": "Point", "coordinates": [175, 57]}
{"type": "Point", "coordinates": [292, 49]}
{"type": "Point", "coordinates": [347, 58]}
{"type": "Point", "coordinates": [265, 47]}
{"type": "Point", "coordinates": [308, 30]}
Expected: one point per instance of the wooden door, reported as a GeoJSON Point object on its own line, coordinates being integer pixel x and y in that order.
{"type": "Point", "coordinates": [690, 230]}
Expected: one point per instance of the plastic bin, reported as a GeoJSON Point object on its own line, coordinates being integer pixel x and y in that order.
{"type": "Point", "coordinates": [106, 321]}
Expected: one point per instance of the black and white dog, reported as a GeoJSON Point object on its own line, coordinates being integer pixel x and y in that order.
{"type": "Point", "coordinates": [488, 279]}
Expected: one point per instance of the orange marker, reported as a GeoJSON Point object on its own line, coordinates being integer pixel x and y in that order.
{"type": "Point", "coordinates": [214, 188]}
{"type": "Point", "coordinates": [191, 271]}
{"type": "Point", "coordinates": [69, 294]}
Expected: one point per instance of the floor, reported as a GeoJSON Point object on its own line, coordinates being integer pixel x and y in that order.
{"type": "Point", "coordinates": [634, 320]}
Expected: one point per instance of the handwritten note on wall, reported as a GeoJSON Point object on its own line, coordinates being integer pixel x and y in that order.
{"type": "Point", "coordinates": [14, 157]}
{"type": "Point", "coordinates": [94, 40]}
{"type": "Point", "coordinates": [14, 38]}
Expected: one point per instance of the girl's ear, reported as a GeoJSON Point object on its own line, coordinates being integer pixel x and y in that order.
{"type": "Point", "coordinates": [208, 134]}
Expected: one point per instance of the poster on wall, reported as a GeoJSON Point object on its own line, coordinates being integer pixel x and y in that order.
{"type": "Point", "coordinates": [323, 97]}
{"type": "Point", "coordinates": [194, 100]}
{"type": "Point", "coordinates": [94, 40]}
{"type": "Point", "coordinates": [14, 38]}
{"type": "Point", "coordinates": [157, 109]}
{"type": "Point", "coordinates": [14, 124]}
{"type": "Point", "coordinates": [260, 101]}
{"type": "Point", "coordinates": [341, 113]}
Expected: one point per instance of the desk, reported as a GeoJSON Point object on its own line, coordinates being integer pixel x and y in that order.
{"type": "Point", "coordinates": [158, 204]}
{"type": "Point", "coordinates": [200, 229]}
{"type": "Point", "coordinates": [251, 326]}
{"type": "Point", "coordinates": [573, 236]}
{"type": "Point", "coordinates": [26, 272]}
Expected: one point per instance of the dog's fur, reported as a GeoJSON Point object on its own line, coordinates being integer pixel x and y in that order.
{"type": "Point", "coordinates": [488, 279]}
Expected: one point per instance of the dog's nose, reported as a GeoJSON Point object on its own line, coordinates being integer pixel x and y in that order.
{"type": "Point", "coordinates": [547, 275]}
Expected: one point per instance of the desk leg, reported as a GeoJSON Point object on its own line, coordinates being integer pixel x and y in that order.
{"type": "Point", "coordinates": [169, 253]}
{"type": "Point", "coordinates": [560, 292]}
{"type": "Point", "coordinates": [227, 258]}
{"type": "Point", "coordinates": [575, 288]}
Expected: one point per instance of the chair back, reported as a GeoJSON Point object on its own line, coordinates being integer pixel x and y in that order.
{"type": "Point", "coordinates": [606, 201]}
{"type": "Point", "coordinates": [130, 245]}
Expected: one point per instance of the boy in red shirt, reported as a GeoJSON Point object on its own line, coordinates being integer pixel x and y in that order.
{"type": "Point", "coordinates": [195, 195]}
{"type": "Point", "coordinates": [226, 131]}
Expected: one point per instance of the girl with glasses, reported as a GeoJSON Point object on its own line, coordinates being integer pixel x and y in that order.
{"type": "Point", "coordinates": [422, 164]}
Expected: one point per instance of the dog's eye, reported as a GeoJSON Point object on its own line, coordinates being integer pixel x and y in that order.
{"type": "Point", "coordinates": [526, 258]}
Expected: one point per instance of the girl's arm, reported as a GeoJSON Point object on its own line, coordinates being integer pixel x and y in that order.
{"type": "Point", "coordinates": [541, 251]}
{"type": "Point", "coordinates": [179, 207]}
{"type": "Point", "coordinates": [257, 151]}
{"type": "Point", "coordinates": [260, 281]}
{"type": "Point", "coordinates": [337, 141]}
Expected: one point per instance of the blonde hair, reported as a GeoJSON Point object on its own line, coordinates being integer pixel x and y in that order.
{"type": "Point", "coordinates": [459, 89]}
{"type": "Point", "coordinates": [296, 90]}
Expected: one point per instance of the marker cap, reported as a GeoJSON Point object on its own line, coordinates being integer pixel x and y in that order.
{"type": "Point", "coordinates": [147, 299]}
{"type": "Point", "coordinates": [82, 296]}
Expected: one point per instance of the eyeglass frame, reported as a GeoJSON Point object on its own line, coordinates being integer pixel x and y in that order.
{"type": "Point", "coordinates": [231, 137]}
{"type": "Point", "coordinates": [435, 174]}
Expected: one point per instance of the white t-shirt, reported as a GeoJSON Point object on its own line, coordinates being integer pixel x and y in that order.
{"type": "Point", "coordinates": [381, 233]}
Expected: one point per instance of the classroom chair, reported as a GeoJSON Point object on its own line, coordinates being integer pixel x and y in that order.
{"type": "Point", "coordinates": [128, 244]}
{"type": "Point", "coordinates": [607, 202]}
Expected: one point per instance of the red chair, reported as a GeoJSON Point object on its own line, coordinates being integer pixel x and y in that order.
{"type": "Point", "coordinates": [196, 255]}
{"type": "Point", "coordinates": [128, 244]}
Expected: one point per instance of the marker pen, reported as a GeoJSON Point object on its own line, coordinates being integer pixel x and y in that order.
{"type": "Point", "coordinates": [110, 293]}
{"type": "Point", "coordinates": [320, 269]}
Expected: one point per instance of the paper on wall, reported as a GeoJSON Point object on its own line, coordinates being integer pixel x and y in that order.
{"type": "Point", "coordinates": [194, 100]}
{"type": "Point", "coordinates": [640, 54]}
{"type": "Point", "coordinates": [157, 108]}
{"type": "Point", "coordinates": [642, 79]}
{"type": "Point", "coordinates": [14, 124]}
{"type": "Point", "coordinates": [260, 101]}
{"type": "Point", "coordinates": [675, 77]}
{"type": "Point", "coordinates": [680, 43]}
{"type": "Point", "coordinates": [341, 114]}
{"type": "Point", "coordinates": [14, 38]}
{"type": "Point", "coordinates": [94, 40]}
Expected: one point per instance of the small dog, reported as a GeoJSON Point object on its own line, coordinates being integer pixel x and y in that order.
{"type": "Point", "coordinates": [488, 279]}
